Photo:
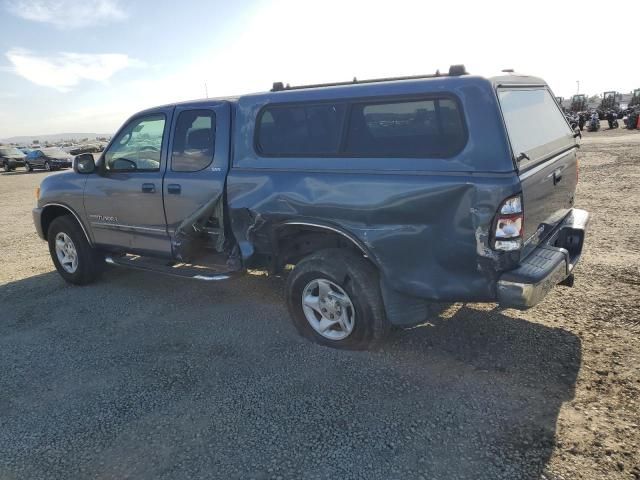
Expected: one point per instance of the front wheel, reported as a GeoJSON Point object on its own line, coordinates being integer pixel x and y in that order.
{"type": "Point", "coordinates": [47, 166]}
{"type": "Point", "coordinates": [71, 253]}
{"type": "Point", "coordinates": [334, 299]}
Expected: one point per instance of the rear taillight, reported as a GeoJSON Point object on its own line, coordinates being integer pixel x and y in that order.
{"type": "Point", "coordinates": [509, 225]}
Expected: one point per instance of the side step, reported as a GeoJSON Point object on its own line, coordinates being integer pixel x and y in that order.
{"type": "Point", "coordinates": [184, 270]}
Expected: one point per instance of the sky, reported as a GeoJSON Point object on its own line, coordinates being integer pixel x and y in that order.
{"type": "Point", "coordinates": [87, 65]}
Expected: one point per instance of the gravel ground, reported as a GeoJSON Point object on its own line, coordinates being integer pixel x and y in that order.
{"type": "Point", "coordinates": [139, 376]}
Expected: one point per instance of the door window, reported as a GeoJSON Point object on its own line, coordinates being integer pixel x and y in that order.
{"type": "Point", "coordinates": [137, 148]}
{"type": "Point", "coordinates": [194, 141]}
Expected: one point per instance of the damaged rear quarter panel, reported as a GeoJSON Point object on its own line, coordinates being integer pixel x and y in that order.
{"type": "Point", "coordinates": [424, 222]}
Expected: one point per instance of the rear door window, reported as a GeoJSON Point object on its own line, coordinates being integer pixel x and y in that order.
{"type": "Point", "coordinates": [194, 141]}
{"type": "Point", "coordinates": [535, 124]}
{"type": "Point", "coordinates": [421, 128]}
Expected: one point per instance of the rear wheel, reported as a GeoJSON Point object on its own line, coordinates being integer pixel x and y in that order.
{"type": "Point", "coordinates": [334, 299]}
{"type": "Point", "coordinates": [28, 167]}
{"type": "Point", "coordinates": [71, 253]}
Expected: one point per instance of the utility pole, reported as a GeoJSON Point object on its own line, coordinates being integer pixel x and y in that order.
{"type": "Point", "coordinates": [206, 91]}
{"type": "Point", "coordinates": [578, 82]}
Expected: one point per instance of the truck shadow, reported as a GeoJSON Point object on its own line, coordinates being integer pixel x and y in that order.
{"type": "Point", "coordinates": [504, 380]}
{"type": "Point", "coordinates": [471, 394]}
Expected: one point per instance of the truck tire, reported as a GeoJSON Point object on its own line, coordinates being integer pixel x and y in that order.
{"type": "Point", "coordinates": [334, 299]}
{"type": "Point", "coordinates": [71, 253]}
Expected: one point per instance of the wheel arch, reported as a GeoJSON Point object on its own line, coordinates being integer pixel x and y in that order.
{"type": "Point", "coordinates": [296, 239]}
{"type": "Point", "coordinates": [51, 211]}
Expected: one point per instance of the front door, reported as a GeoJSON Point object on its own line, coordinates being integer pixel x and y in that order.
{"type": "Point", "coordinates": [123, 201]}
{"type": "Point", "coordinates": [195, 177]}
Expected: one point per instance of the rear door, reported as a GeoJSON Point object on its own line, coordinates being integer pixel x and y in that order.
{"type": "Point", "coordinates": [195, 178]}
{"type": "Point", "coordinates": [544, 149]}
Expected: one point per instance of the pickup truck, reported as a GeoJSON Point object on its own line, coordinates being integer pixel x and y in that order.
{"type": "Point", "coordinates": [376, 197]}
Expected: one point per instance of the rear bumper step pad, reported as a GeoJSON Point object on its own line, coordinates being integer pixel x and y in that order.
{"type": "Point", "coordinates": [548, 265]}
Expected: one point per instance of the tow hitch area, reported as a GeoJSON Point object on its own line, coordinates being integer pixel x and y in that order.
{"type": "Point", "coordinates": [547, 266]}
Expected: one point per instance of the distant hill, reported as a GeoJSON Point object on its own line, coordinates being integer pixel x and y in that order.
{"type": "Point", "coordinates": [56, 137]}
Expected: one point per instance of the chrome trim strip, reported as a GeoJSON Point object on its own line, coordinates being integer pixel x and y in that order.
{"type": "Point", "coordinates": [545, 164]}
{"type": "Point", "coordinates": [74, 214]}
{"type": "Point", "coordinates": [125, 227]}
{"type": "Point", "coordinates": [209, 279]}
{"type": "Point", "coordinates": [347, 236]}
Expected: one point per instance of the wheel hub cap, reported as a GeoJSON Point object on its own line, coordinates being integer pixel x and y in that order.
{"type": "Point", "coordinates": [328, 309]}
{"type": "Point", "coordinates": [66, 252]}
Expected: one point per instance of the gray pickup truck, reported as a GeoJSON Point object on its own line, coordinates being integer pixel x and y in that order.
{"type": "Point", "coordinates": [378, 197]}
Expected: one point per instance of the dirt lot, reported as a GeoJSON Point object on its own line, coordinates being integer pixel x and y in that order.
{"type": "Point", "coordinates": [149, 377]}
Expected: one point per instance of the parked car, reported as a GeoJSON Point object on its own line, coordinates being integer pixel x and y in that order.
{"type": "Point", "coordinates": [86, 148]}
{"type": "Point", "coordinates": [379, 198]}
{"type": "Point", "coordinates": [48, 158]}
{"type": "Point", "coordinates": [10, 158]}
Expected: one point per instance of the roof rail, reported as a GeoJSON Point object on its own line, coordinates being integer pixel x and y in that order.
{"type": "Point", "coordinates": [454, 71]}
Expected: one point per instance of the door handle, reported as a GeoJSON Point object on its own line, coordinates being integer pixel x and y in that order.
{"type": "Point", "coordinates": [174, 189]}
{"type": "Point", "coordinates": [148, 188]}
{"type": "Point", "coordinates": [557, 176]}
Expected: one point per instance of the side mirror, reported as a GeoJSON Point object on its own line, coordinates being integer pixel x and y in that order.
{"type": "Point", "coordinates": [84, 163]}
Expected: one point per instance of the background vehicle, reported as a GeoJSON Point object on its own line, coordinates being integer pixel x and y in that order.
{"type": "Point", "coordinates": [610, 101]}
{"type": "Point", "coordinates": [49, 159]}
{"type": "Point", "coordinates": [612, 119]}
{"type": "Point", "coordinates": [635, 99]}
{"type": "Point", "coordinates": [384, 195]}
{"type": "Point", "coordinates": [573, 119]}
{"type": "Point", "coordinates": [631, 118]}
{"type": "Point", "coordinates": [86, 148]}
{"type": "Point", "coordinates": [594, 123]}
{"type": "Point", "coordinates": [10, 158]}
{"type": "Point", "coordinates": [578, 103]}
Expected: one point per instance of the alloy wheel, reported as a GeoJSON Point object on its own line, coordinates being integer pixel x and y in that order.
{"type": "Point", "coordinates": [66, 252]}
{"type": "Point", "coordinates": [328, 309]}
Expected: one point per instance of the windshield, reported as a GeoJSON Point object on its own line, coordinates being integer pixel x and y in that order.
{"type": "Point", "coordinates": [55, 153]}
{"type": "Point", "coordinates": [11, 151]}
